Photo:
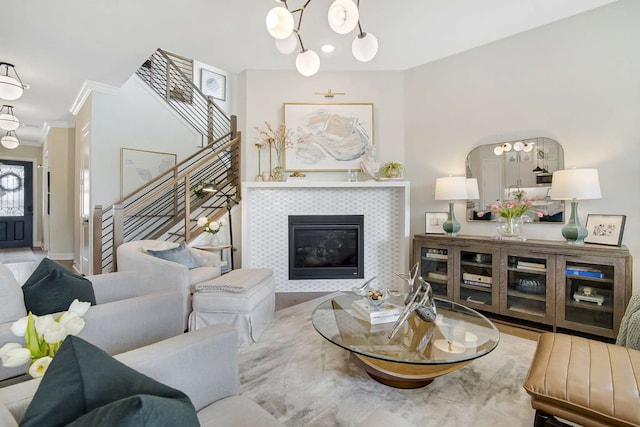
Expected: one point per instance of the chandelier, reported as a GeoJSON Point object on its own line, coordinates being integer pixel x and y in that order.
{"type": "Point", "coordinates": [10, 140]}
{"type": "Point", "coordinates": [343, 16]}
{"type": "Point", "coordinates": [518, 146]}
{"type": "Point", "coordinates": [11, 87]}
{"type": "Point", "coordinates": [8, 120]}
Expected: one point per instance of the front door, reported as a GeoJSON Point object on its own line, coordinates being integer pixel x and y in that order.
{"type": "Point", "coordinates": [16, 204]}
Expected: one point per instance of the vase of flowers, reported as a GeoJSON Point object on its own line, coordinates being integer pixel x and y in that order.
{"type": "Point", "coordinates": [276, 140]}
{"type": "Point", "coordinates": [510, 228]}
{"type": "Point", "coordinates": [43, 336]}
{"type": "Point", "coordinates": [511, 216]}
{"type": "Point", "coordinates": [212, 228]}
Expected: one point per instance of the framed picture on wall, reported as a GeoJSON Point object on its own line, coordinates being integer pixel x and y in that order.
{"type": "Point", "coordinates": [137, 167]}
{"type": "Point", "coordinates": [333, 137]}
{"type": "Point", "coordinates": [605, 229]}
{"type": "Point", "coordinates": [433, 222]}
{"type": "Point", "coordinates": [213, 84]}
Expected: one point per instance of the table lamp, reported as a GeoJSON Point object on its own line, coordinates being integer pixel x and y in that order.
{"type": "Point", "coordinates": [574, 185]}
{"type": "Point", "coordinates": [451, 188]}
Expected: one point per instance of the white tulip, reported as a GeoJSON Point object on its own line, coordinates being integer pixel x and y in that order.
{"type": "Point", "coordinates": [55, 333]}
{"type": "Point", "coordinates": [202, 221]}
{"type": "Point", "coordinates": [16, 357]}
{"type": "Point", "coordinates": [72, 323]}
{"type": "Point", "coordinates": [19, 327]}
{"type": "Point", "coordinates": [43, 323]}
{"type": "Point", "coordinates": [39, 367]}
{"type": "Point", "coordinates": [5, 349]}
{"type": "Point", "coordinates": [79, 307]}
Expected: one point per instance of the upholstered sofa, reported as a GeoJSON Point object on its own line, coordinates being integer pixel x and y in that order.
{"type": "Point", "coordinates": [160, 274]}
{"type": "Point", "coordinates": [204, 365]}
{"type": "Point", "coordinates": [126, 314]}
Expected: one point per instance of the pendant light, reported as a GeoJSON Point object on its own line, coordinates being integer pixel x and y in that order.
{"type": "Point", "coordinates": [10, 140]}
{"type": "Point", "coordinates": [11, 88]}
{"type": "Point", "coordinates": [8, 121]}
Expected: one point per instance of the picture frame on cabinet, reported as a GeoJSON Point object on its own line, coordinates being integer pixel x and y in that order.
{"type": "Point", "coordinates": [605, 229]}
{"type": "Point", "coordinates": [433, 222]}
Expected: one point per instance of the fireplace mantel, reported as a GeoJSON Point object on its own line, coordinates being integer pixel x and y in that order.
{"type": "Point", "coordinates": [385, 205]}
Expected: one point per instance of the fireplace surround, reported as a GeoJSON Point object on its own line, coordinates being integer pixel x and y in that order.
{"type": "Point", "coordinates": [266, 207]}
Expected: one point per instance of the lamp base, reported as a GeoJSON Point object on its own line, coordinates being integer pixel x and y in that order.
{"type": "Point", "coordinates": [451, 226]}
{"type": "Point", "coordinates": [574, 232]}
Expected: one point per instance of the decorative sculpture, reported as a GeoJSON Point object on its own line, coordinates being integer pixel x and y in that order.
{"type": "Point", "coordinates": [422, 302]}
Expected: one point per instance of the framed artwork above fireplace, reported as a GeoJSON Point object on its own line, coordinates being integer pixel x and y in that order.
{"type": "Point", "coordinates": [334, 137]}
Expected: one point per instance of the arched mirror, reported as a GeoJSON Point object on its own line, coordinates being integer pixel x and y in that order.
{"type": "Point", "coordinates": [504, 169]}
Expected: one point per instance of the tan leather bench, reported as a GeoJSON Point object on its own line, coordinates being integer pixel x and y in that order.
{"type": "Point", "coordinates": [584, 381]}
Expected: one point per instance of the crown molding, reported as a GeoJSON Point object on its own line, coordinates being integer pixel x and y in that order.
{"type": "Point", "coordinates": [85, 90]}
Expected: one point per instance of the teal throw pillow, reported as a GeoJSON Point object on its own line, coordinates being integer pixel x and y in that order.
{"type": "Point", "coordinates": [84, 386]}
{"type": "Point", "coordinates": [56, 291]}
{"type": "Point", "coordinates": [43, 269]}
{"type": "Point", "coordinates": [180, 254]}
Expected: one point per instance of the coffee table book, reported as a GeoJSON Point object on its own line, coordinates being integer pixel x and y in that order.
{"type": "Point", "coordinates": [386, 312]}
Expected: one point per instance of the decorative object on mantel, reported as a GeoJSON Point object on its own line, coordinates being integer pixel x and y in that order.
{"type": "Point", "coordinates": [451, 188]}
{"type": "Point", "coordinates": [574, 185]}
{"type": "Point", "coordinates": [329, 93]}
{"type": "Point", "coordinates": [297, 176]}
{"type": "Point", "coordinates": [334, 137]}
{"type": "Point", "coordinates": [278, 139]}
{"type": "Point", "coordinates": [392, 170]}
{"type": "Point", "coordinates": [343, 17]}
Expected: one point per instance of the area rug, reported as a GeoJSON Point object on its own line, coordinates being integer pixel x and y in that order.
{"type": "Point", "coordinates": [304, 380]}
{"type": "Point", "coordinates": [10, 256]}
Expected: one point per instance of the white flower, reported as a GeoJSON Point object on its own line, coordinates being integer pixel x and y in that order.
{"type": "Point", "coordinates": [19, 327]}
{"type": "Point", "coordinates": [5, 349]}
{"type": "Point", "coordinates": [202, 221]}
{"type": "Point", "coordinates": [213, 226]}
{"type": "Point", "coordinates": [72, 323]}
{"type": "Point", "coordinates": [79, 307]}
{"type": "Point", "coordinates": [43, 323]}
{"type": "Point", "coordinates": [222, 221]}
{"type": "Point", "coordinates": [39, 367]}
{"type": "Point", "coordinates": [55, 333]}
{"type": "Point", "coordinates": [16, 357]}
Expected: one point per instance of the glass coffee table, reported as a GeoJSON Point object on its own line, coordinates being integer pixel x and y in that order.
{"type": "Point", "coordinates": [420, 351]}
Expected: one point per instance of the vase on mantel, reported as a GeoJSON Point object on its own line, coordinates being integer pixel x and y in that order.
{"type": "Point", "coordinates": [510, 228]}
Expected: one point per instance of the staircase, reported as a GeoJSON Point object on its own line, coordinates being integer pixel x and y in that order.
{"type": "Point", "coordinates": [168, 206]}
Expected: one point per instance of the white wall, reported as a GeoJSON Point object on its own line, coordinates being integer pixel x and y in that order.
{"type": "Point", "coordinates": [262, 94]}
{"type": "Point", "coordinates": [576, 81]}
{"type": "Point", "coordinates": [132, 118]}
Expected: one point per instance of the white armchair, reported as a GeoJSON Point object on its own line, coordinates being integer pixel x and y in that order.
{"type": "Point", "coordinates": [125, 316]}
{"type": "Point", "coordinates": [159, 274]}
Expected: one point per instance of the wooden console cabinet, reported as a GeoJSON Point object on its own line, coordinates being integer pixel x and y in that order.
{"type": "Point", "coordinates": [576, 288]}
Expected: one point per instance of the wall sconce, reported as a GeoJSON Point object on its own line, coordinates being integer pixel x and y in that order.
{"type": "Point", "coordinates": [11, 88]}
{"type": "Point", "coordinates": [452, 188]}
{"type": "Point", "coordinates": [343, 16]}
{"type": "Point", "coordinates": [10, 140]}
{"type": "Point", "coordinates": [574, 185]}
{"type": "Point", "coordinates": [8, 121]}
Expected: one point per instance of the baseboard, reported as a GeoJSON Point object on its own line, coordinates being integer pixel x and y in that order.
{"type": "Point", "coordinates": [60, 256]}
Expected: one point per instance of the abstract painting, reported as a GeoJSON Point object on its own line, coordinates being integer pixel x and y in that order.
{"type": "Point", "coordinates": [137, 167]}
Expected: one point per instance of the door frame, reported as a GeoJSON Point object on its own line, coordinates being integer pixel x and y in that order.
{"type": "Point", "coordinates": [37, 197]}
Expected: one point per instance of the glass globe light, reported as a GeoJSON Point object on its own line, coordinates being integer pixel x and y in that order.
{"type": "Point", "coordinates": [10, 88]}
{"type": "Point", "coordinates": [8, 121]}
{"type": "Point", "coordinates": [518, 146]}
{"type": "Point", "coordinates": [288, 45]}
{"type": "Point", "coordinates": [9, 141]}
{"type": "Point", "coordinates": [498, 150]}
{"type": "Point", "coordinates": [343, 16]}
{"type": "Point", "coordinates": [528, 147]}
{"type": "Point", "coordinates": [279, 22]}
{"type": "Point", "coordinates": [308, 63]}
{"type": "Point", "coordinates": [364, 47]}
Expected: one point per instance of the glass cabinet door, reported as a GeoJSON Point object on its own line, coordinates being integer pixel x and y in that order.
{"type": "Point", "coordinates": [529, 287]}
{"type": "Point", "coordinates": [435, 266]}
{"type": "Point", "coordinates": [478, 281]}
{"type": "Point", "coordinates": [589, 296]}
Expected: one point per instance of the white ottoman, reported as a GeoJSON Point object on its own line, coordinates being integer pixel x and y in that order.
{"type": "Point", "coordinates": [243, 298]}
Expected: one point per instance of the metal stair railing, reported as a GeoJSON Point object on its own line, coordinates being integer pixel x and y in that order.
{"type": "Point", "coordinates": [168, 206]}
{"type": "Point", "coordinates": [166, 79]}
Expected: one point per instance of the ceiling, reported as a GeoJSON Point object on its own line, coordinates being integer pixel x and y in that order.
{"type": "Point", "coordinates": [57, 46]}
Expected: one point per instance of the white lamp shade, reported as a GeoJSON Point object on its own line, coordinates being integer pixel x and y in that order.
{"type": "Point", "coordinates": [288, 45]}
{"type": "Point", "coordinates": [472, 189]}
{"type": "Point", "coordinates": [10, 88]}
{"type": "Point", "coordinates": [279, 22]}
{"type": "Point", "coordinates": [308, 63]}
{"type": "Point", "coordinates": [9, 141]}
{"type": "Point", "coordinates": [343, 16]}
{"type": "Point", "coordinates": [364, 47]}
{"type": "Point", "coordinates": [9, 122]}
{"type": "Point", "coordinates": [579, 184]}
{"type": "Point", "coordinates": [451, 188]}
